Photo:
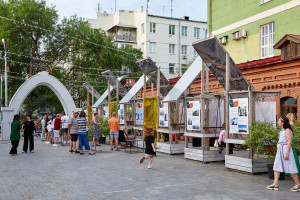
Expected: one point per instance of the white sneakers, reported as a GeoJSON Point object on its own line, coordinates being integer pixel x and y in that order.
{"type": "Point", "coordinates": [55, 145]}
{"type": "Point", "coordinates": [65, 142]}
{"type": "Point", "coordinates": [47, 142]}
{"type": "Point", "coordinates": [149, 166]}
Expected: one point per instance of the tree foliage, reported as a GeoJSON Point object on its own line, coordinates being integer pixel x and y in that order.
{"type": "Point", "coordinates": [76, 52]}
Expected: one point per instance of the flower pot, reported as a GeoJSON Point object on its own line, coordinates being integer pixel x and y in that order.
{"type": "Point", "coordinates": [271, 173]}
{"type": "Point", "coordinates": [102, 140]}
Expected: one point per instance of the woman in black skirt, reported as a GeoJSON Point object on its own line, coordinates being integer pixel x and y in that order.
{"type": "Point", "coordinates": [29, 130]}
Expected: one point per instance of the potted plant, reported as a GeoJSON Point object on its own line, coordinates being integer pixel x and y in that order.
{"type": "Point", "coordinates": [104, 129]}
{"type": "Point", "coordinates": [263, 140]}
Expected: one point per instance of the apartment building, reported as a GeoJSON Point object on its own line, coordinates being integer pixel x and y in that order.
{"type": "Point", "coordinates": [167, 41]}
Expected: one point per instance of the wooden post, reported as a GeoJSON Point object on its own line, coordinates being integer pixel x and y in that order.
{"type": "Point", "coordinates": [185, 124]}
{"type": "Point", "coordinates": [158, 95]}
{"type": "Point", "coordinates": [250, 115]}
{"type": "Point", "coordinates": [109, 94]}
{"type": "Point", "coordinates": [207, 104]}
{"type": "Point", "coordinates": [170, 126]}
{"type": "Point", "coordinates": [117, 90]}
{"type": "Point", "coordinates": [144, 86]}
{"type": "Point", "coordinates": [125, 118]}
{"type": "Point", "coordinates": [151, 89]}
{"type": "Point", "coordinates": [88, 98]}
{"type": "Point", "coordinates": [278, 107]}
{"type": "Point", "coordinates": [92, 96]}
{"type": "Point", "coordinates": [227, 88]}
{"type": "Point", "coordinates": [202, 101]}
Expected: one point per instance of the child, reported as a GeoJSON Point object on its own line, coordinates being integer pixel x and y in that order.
{"type": "Point", "coordinates": [15, 135]}
{"type": "Point", "coordinates": [150, 149]}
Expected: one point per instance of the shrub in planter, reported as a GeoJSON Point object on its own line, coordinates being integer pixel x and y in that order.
{"type": "Point", "coordinates": [104, 129]}
{"type": "Point", "coordinates": [263, 140]}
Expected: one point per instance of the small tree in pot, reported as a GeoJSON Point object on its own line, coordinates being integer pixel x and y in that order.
{"type": "Point", "coordinates": [104, 129]}
{"type": "Point", "coordinates": [263, 140]}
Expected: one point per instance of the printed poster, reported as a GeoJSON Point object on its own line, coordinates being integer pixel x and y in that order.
{"type": "Point", "coordinates": [193, 115]}
{"type": "Point", "coordinates": [105, 112]}
{"type": "Point", "coordinates": [163, 115]}
{"type": "Point", "coordinates": [121, 113]}
{"type": "Point", "coordinates": [139, 114]}
{"type": "Point", "coordinates": [238, 114]}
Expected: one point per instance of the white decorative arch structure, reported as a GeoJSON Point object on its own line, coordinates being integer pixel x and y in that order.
{"type": "Point", "coordinates": [40, 79]}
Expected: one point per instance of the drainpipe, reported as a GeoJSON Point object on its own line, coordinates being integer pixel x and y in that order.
{"type": "Point", "coordinates": [209, 18]}
{"type": "Point", "coordinates": [179, 51]}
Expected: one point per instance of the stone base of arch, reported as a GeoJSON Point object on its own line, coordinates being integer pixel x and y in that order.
{"type": "Point", "coordinates": [40, 79]}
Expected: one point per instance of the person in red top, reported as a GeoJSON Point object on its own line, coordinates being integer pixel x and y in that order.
{"type": "Point", "coordinates": [56, 129]}
{"type": "Point", "coordinates": [114, 130]}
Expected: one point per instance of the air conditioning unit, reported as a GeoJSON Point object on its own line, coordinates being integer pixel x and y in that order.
{"type": "Point", "coordinates": [184, 57]}
{"type": "Point", "coordinates": [223, 40]}
{"type": "Point", "coordinates": [243, 34]}
{"type": "Point", "coordinates": [236, 35]}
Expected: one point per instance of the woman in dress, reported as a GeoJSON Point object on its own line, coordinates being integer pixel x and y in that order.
{"type": "Point", "coordinates": [284, 160]}
{"type": "Point", "coordinates": [96, 130]}
{"type": "Point", "coordinates": [292, 119]}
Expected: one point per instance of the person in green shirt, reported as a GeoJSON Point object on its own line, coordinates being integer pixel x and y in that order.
{"type": "Point", "coordinates": [15, 136]}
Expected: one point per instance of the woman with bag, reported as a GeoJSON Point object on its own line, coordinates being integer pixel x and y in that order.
{"type": "Point", "coordinates": [29, 130]}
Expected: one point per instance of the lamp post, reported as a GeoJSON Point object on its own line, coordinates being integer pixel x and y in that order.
{"type": "Point", "coordinates": [5, 71]}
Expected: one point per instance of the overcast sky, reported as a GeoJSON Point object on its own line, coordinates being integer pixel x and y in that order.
{"type": "Point", "coordinates": [195, 9]}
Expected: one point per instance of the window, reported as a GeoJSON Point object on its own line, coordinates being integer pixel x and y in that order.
{"type": "Point", "coordinates": [264, 1]}
{"type": "Point", "coordinates": [172, 48]}
{"type": "Point", "coordinates": [171, 68]}
{"type": "Point", "coordinates": [184, 49]}
{"type": "Point", "coordinates": [267, 40]}
{"type": "Point", "coordinates": [196, 32]}
{"type": "Point", "coordinates": [142, 28]}
{"type": "Point", "coordinates": [125, 45]}
{"type": "Point", "coordinates": [152, 27]}
{"type": "Point", "coordinates": [172, 29]}
{"type": "Point", "coordinates": [184, 31]}
{"type": "Point", "coordinates": [152, 47]}
{"type": "Point", "coordinates": [195, 52]}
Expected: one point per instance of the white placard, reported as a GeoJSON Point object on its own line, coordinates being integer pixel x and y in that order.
{"type": "Point", "coordinates": [121, 113]}
{"type": "Point", "coordinates": [265, 112]}
{"type": "Point", "coordinates": [238, 115]}
{"type": "Point", "coordinates": [139, 114]}
{"type": "Point", "coordinates": [193, 115]}
{"type": "Point", "coordinates": [105, 112]}
{"type": "Point", "coordinates": [163, 115]}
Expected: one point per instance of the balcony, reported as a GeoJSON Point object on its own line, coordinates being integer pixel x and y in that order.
{"type": "Point", "coordinates": [125, 38]}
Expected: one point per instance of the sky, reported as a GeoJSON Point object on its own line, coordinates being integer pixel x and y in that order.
{"type": "Point", "coordinates": [195, 9]}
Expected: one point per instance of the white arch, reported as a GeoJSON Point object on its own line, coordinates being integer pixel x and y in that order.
{"type": "Point", "coordinates": [40, 79]}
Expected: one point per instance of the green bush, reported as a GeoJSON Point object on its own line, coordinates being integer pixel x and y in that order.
{"type": "Point", "coordinates": [263, 139]}
{"type": "Point", "coordinates": [296, 136]}
{"type": "Point", "coordinates": [104, 127]}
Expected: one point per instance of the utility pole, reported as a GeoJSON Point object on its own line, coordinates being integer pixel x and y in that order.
{"type": "Point", "coordinates": [171, 8]}
{"type": "Point", "coordinates": [5, 71]}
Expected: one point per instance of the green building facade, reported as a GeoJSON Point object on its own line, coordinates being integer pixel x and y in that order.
{"type": "Point", "coordinates": [248, 29]}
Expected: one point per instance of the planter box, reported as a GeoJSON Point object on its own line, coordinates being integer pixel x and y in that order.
{"type": "Point", "coordinates": [170, 148]}
{"type": "Point", "coordinates": [198, 154]}
{"type": "Point", "coordinates": [252, 166]}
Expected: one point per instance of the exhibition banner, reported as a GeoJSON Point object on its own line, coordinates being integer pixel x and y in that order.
{"type": "Point", "coordinates": [193, 115]}
{"type": "Point", "coordinates": [238, 115]}
{"type": "Point", "coordinates": [163, 115]}
{"type": "Point", "coordinates": [121, 113]}
{"type": "Point", "coordinates": [105, 112]}
{"type": "Point", "coordinates": [139, 113]}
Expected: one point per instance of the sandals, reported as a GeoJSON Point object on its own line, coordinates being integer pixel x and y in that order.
{"type": "Point", "coordinates": [272, 187]}
{"type": "Point", "coordinates": [296, 188]}
{"type": "Point", "coordinates": [91, 153]}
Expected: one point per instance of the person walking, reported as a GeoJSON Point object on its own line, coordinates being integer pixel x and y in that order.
{"type": "Point", "coordinates": [96, 130]}
{"type": "Point", "coordinates": [114, 130]}
{"type": "Point", "coordinates": [64, 127]}
{"type": "Point", "coordinates": [73, 132]}
{"type": "Point", "coordinates": [284, 160]}
{"type": "Point", "coordinates": [52, 127]}
{"type": "Point", "coordinates": [57, 123]}
{"type": "Point", "coordinates": [29, 130]}
{"type": "Point", "coordinates": [82, 133]}
{"type": "Point", "coordinates": [15, 136]}
{"type": "Point", "coordinates": [43, 123]}
{"type": "Point", "coordinates": [150, 148]}
{"type": "Point", "coordinates": [48, 131]}
{"type": "Point", "coordinates": [292, 119]}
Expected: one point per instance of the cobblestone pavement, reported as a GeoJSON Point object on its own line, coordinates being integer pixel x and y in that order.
{"type": "Point", "coordinates": [54, 173]}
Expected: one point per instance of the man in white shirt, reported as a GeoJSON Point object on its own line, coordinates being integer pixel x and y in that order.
{"type": "Point", "coordinates": [64, 128]}
{"type": "Point", "coordinates": [43, 122]}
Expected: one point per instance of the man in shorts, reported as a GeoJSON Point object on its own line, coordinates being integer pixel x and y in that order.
{"type": "Point", "coordinates": [56, 129]}
{"type": "Point", "coordinates": [114, 130]}
{"type": "Point", "coordinates": [73, 131]}
{"type": "Point", "coordinates": [64, 127]}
